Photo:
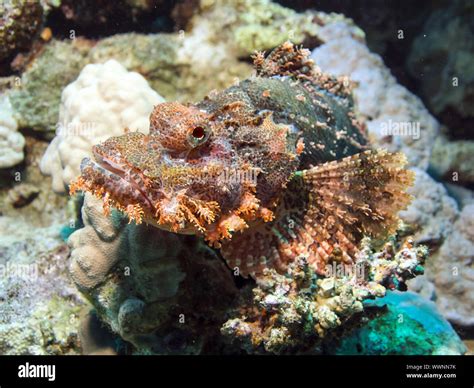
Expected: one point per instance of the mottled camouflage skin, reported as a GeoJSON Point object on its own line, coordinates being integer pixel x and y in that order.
{"type": "Point", "coordinates": [268, 170]}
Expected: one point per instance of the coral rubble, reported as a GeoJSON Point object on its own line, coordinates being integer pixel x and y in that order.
{"type": "Point", "coordinates": [300, 311]}
{"type": "Point", "coordinates": [40, 307]}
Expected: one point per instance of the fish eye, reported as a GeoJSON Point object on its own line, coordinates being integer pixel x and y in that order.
{"type": "Point", "coordinates": [198, 133]}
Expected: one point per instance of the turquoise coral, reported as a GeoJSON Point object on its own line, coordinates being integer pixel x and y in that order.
{"type": "Point", "coordinates": [392, 331]}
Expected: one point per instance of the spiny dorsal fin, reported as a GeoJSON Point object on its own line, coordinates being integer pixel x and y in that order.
{"type": "Point", "coordinates": [285, 60]}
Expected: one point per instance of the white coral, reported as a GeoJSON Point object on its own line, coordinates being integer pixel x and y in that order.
{"type": "Point", "coordinates": [103, 101]}
{"type": "Point", "coordinates": [11, 141]}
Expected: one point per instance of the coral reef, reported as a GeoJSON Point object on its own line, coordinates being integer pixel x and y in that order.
{"type": "Point", "coordinates": [299, 307]}
{"type": "Point", "coordinates": [448, 278]}
{"type": "Point", "coordinates": [253, 25]}
{"type": "Point", "coordinates": [386, 105]}
{"type": "Point", "coordinates": [392, 331]}
{"type": "Point", "coordinates": [158, 290]}
{"type": "Point", "coordinates": [295, 178]}
{"type": "Point", "coordinates": [453, 160]}
{"type": "Point", "coordinates": [432, 212]}
{"type": "Point", "coordinates": [20, 21]}
{"type": "Point", "coordinates": [396, 118]}
{"type": "Point", "coordinates": [174, 178]}
{"type": "Point", "coordinates": [26, 199]}
{"type": "Point", "coordinates": [11, 141]}
{"type": "Point", "coordinates": [441, 59]}
{"type": "Point", "coordinates": [40, 307]}
{"type": "Point", "coordinates": [152, 55]}
{"type": "Point", "coordinates": [103, 101]}
{"type": "Point", "coordinates": [311, 277]}
{"type": "Point", "coordinates": [450, 270]}
{"type": "Point", "coordinates": [435, 220]}
{"type": "Point", "coordinates": [169, 62]}
{"type": "Point", "coordinates": [295, 313]}
{"type": "Point", "coordinates": [36, 99]}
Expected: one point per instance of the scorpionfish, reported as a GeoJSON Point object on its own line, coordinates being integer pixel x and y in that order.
{"type": "Point", "coordinates": [271, 169]}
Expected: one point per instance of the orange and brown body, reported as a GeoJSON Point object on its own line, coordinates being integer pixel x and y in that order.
{"type": "Point", "coordinates": [271, 169]}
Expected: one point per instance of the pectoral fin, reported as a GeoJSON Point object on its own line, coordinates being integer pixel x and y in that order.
{"type": "Point", "coordinates": [324, 213]}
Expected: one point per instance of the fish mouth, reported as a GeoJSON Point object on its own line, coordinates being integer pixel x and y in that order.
{"type": "Point", "coordinates": [113, 184]}
{"type": "Point", "coordinates": [130, 173]}
{"type": "Point", "coordinates": [123, 186]}
{"type": "Point", "coordinates": [126, 175]}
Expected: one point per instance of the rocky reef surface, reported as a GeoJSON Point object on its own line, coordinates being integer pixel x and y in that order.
{"type": "Point", "coordinates": [157, 290]}
{"type": "Point", "coordinates": [40, 308]}
{"type": "Point", "coordinates": [21, 20]}
{"type": "Point", "coordinates": [436, 206]}
{"type": "Point", "coordinates": [12, 142]}
{"type": "Point", "coordinates": [160, 293]}
{"type": "Point", "coordinates": [444, 49]}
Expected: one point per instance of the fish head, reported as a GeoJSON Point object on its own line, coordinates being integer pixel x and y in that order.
{"type": "Point", "coordinates": [195, 172]}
